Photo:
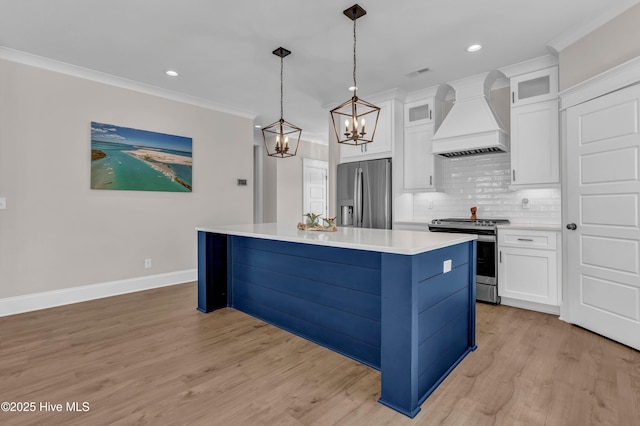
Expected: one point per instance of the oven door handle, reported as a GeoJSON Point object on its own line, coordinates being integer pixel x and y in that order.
{"type": "Point", "coordinates": [487, 238]}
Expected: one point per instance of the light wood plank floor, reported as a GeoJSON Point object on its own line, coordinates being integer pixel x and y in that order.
{"type": "Point", "coordinates": [151, 358]}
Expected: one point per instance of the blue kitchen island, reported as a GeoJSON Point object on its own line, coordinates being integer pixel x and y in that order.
{"type": "Point", "coordinates": [402, 302]}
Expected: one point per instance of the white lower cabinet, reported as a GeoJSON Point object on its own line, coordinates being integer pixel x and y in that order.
{"type": "Point", "coordinates": [529, 269]}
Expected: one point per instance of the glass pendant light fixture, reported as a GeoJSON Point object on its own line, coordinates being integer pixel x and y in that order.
{"type": "Point", "coordinates": [281, 139]}
{"type": "Point", "coordinates": [355, 121]}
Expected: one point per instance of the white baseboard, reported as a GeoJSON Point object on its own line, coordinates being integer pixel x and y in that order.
{"type": "Point", "coordinates": [532, 306]}
{"type": "Point", "coordinates": [50, 299]}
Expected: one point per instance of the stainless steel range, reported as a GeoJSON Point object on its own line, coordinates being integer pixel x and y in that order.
{"type": "Point", "coordinates": [487, 251]}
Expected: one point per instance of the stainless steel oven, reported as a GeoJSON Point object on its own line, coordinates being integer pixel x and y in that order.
{"type": "Point", "coordinates": [487, 251]}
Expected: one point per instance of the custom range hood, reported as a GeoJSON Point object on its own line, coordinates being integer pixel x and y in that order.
{"type": "Point", "coordinates": [472, 126]}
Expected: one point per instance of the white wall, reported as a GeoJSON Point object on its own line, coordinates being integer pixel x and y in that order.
{"type": "Point", "coordinates": [57, 233]}
{"type": "Point", "coordinates": [612, 44]}
{"type": "Point", "coordinates": [283, 183]}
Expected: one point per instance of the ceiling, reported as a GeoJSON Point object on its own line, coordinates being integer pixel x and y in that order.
{"type": "Point", "coordinates": [222, 49]}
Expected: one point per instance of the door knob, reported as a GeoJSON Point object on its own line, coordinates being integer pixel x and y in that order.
{"type": "Point", "coordinates": [571, 227]}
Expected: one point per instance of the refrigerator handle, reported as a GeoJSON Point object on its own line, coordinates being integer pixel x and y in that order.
{"type": "Point", "coordinates": [387, 196]}
{"type": "Point", "coordinates": [361, 173]}
{"type": "Point", "coordinates": [358, 198]}
{"type": "Point", "coordinates": [356, 202]}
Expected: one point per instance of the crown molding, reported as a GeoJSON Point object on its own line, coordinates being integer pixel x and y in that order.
{"type": "Point", "coordinates": [574, 34]}
{"type": "Point", "coordinates": [531, 65]}
{"type": "Point", "coordinates": [25, 58]}
{"type": "Point", "coordinates": [616, 78]}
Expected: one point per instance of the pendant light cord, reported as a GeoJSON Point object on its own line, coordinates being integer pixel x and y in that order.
{"type": "Point", "coordinates": [355, 85]}
{"type": "Point", "coordinates": [281, 87]}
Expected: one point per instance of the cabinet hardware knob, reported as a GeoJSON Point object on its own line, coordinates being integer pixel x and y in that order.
{"type": "Point", "coordinates": [572, 227]}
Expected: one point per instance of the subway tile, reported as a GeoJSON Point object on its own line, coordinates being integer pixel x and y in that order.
{"type": "Point", "coordinates": [483, 181]}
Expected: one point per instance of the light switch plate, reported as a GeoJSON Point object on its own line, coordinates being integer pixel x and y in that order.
{"type": "Point", "coordinates": [3, 203]}
{"type": "Point", "coordinates": [446, 266]}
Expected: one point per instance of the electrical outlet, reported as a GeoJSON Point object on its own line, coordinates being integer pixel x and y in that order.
{"type": "Point", "coordinates": [147, 263]}
{"type": "Point", "coordinates": [430, 205]}
{"type": "Point", "coordinates": [446, 266]}
{"type": "Point", "coordinates": [3, 203]}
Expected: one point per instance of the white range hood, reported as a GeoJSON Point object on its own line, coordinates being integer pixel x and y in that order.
{"type": "Point", "coordinates": [472, 126]}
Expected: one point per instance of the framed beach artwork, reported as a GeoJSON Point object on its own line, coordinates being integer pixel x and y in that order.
{"type": "Point", "coordinates": [139, 160]}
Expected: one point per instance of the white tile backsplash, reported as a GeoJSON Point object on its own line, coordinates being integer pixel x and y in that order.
{"type": "Point", "coordinates": [483, 181]}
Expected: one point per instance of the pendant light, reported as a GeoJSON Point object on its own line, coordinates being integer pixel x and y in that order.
{"type": "Point", "coordinates": [355, 121]}
{"type": "Point", "coordinates": [281, 139]}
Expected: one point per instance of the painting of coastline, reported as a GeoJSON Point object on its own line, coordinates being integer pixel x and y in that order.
{"type": "Point", "coordinates": [139, 160]}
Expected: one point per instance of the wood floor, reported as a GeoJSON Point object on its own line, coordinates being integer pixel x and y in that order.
{"type": "Point", "coordinates": [151, 358]}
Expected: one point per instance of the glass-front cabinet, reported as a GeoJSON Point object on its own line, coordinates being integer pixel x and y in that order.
{"type": "Point", "coordinates": [534, 87]}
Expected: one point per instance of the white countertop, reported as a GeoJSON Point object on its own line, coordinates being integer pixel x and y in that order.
{"type": "Point", "coordinates": [380, 240]}
{"type": "Point", "coordinates": [532, 226]}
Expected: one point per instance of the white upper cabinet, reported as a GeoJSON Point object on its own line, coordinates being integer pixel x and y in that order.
{"type": "Point", "coordinates": [535, 138]}
{"type": "Point", "coordinates": [421, 169]}
{"type": "Point", "coordinates": [419, 163]}
{"type": "Point", "coordinates": [418, 113]}
{"type": "Point", "coordinates": [535, 149]}
{"type": "Point", "coordinates": [382, 144]}
{"type": "Point", "coordinates": [533, 87]}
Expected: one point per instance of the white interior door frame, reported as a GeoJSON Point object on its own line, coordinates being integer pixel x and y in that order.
{"type": "Point", "coordinates": [311, 186]}
{"type": "Point", "coordinates": [600, 271]}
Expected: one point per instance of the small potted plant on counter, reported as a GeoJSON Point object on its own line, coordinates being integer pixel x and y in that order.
{"type": "Point", "coordinates": [314, 225]}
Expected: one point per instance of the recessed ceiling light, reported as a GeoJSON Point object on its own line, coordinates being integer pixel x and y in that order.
{"type": "Point", "coordinates": [257, 126]}
{"type": "Point", "coordinates": [172, 73]}
{"type": "Point", "coordinates": [474, 48]}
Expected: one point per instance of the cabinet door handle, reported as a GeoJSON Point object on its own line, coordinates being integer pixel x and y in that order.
{"type": "Point", "coordinates": [430, 114]}
{"type": "Point", "coordinates": [525, 239]}
{"type": "Point", "coordinates": [430, 180]}
{"type": "Point", "coordinates": [500, 256]}
{"type": "Point", "coordinates": [514, 175]}
{"type": "Point", "coordinates": [513, 97]}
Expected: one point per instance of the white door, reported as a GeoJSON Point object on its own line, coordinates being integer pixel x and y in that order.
{"type": "Point", "coordinates": [603, 186]}
{"type": "Point", "coordinates": [315, 187]}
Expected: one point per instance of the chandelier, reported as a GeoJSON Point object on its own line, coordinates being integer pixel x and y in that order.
{"type": "Point", "coordinates": [355, 121]}
{"type": "Point", "coordinates": [281, 139]}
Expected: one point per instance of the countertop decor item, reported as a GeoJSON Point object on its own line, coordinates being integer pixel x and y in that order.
{"type": "Point", "coordinates": [473, 213]}
{"type": "Point", "coordinates": [314, 225]}
{"type": "Point", "coordinates": [355, 112]}
{"type": "Point", "coordinates": [281, 139]}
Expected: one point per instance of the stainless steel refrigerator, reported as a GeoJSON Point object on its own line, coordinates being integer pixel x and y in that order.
{"type": "Point", "coordinates": [364, 194]}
